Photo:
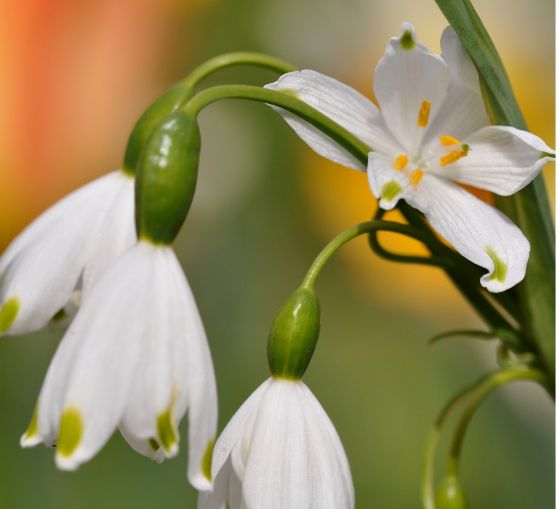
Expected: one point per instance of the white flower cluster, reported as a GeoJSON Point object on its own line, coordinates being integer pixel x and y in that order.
{"type": "Point", "coordinates": [136, 357]}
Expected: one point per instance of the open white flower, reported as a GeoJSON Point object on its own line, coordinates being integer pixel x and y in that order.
{"type": "Point", "coordinates": [65, 250]}
{"type": "Point", "coordinates": [135, 357]}
{"type": "Point", "coordinates": [280, 451]}
{"type": "Point", "coordinates": [430, 133]}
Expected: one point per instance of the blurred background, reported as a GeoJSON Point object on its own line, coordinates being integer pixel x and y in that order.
{"type": "Point", "coordinates": [74, 77]}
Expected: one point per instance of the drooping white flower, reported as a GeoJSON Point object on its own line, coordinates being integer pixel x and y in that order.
{"type": "Point", "coordinates": [430, 134]}
{"type": "Point", "coordinates": [280, 451]}
{"type": "Point", "coordinates": [64, 251]}
{"type": "Point", "coordinates": [135, 357]}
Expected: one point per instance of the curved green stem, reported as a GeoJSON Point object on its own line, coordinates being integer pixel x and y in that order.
{"type": "Point", "coordinates": [291, 103]}
{"type": "Point", "coordinates": [236, 58]}
{"type": "Point", "coordinates": [476, 393]}
{"type": "Point", "coordinates": [493, 382]}
{"type": "Point", "coordinates": [370, 227]}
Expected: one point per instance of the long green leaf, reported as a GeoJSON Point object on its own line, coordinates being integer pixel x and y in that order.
{"type": "Point", "coordinates": [530, 207]}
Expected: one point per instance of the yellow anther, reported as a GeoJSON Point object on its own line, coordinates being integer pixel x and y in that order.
{"type": "Point", "coordinates": [416, 176]}
{"type": "Point", "coordinates": [424, 114]}
{"type": "Point", "coordinates": [446, 140]}
{"type": "Point", "coordinates": [452, 157]}
{"type": "Point", "coordinates": [400, 162]}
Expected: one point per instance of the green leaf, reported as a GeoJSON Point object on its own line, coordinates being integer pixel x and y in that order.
{"type": "Point", "coordinates": [529, 208]}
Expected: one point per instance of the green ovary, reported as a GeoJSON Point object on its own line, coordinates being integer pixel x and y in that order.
{"type": "Point", "coordinates": [500, 267]}
{"type": "Point", "coordinates": [71, 431]}
{"type": "Point", "coordinates": [8, 313]}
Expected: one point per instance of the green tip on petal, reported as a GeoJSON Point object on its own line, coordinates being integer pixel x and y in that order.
{"type": "Point", "coordinates": [8, 314]}
{"type": "Point", "coordinates": [153, 444]}
{"type": "Point", "coordinates": [33, 427]}
{"type": "Point", "coordinates": [206, 463]}
{"type": "Point", "coordinates": [407, 41]}
{"type": "Point", "coordinates": [71, 430]}
{"type": "Point", "coordinates": [390, 190]}
{"type": "Point", "coordinates": [500, 267]}
{"type": "Point", "coordinates": [167, 434]}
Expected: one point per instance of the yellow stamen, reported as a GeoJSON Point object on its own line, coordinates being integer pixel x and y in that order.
{"type": "Point", "coordinates": [446, 140]}
{"type": "Point", "coordinates": [452, 157]}
{"type": "Point", "coordinates": [400, 162]}
{"type": "Point", "coordinates": [416, 176]}
{"type": "Point", "coordinates": [424, 114]}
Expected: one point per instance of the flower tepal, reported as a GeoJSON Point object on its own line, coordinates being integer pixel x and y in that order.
{"type": "Point", "coordinates": [430, 135]}
{"type": "Point", "coordinates": [64, 252]}
{"type": "Point", "coordinates": [279, 451]}
{"type": "Point", "coordinates": [136, 355]}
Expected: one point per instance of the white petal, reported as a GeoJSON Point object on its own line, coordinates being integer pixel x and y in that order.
{"type": "Point", "coordinates": [277, 470]}
{"type": "Point", "coordinates": [236, 427]}
{"type": "Point", "coordinates": [463, 111]}
{"type": "Point", "coordinates": [405, 78]}
{"type": "Point", "coordinates": [142, 446]}
{"type": "Point", "coordinates": [340, 103]}
{"type": "Point", "coordinates": [92, 370]}
{"type": "Point", "coordinates": [150, 403]}
{"type": "Point", "coordinates": [42, 267]}
{"type": "Point", "coordinates": [334, 488]}
{"type": "Point", "coordinates": [218, 497]}
{"type": "Point", "coordinates": [193, 369]}
{"type": "Point", "coordinates": [478, 231]}
{"type": "Point", "coordinates": [502, 160]}
{"type": "Point", "coordinates": [388, 185]}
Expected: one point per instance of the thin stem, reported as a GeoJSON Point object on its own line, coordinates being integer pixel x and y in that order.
{"type": "Point", "coordinates": [351, 233]}
{"type": "Point", "coordinates": [477, 391]}
{"type": "Point", "coordinates": [344, 138]}
{"type": "Point", "coordinates": [493, 382]}
{"type": "Point", "coordinates": [237, 58]}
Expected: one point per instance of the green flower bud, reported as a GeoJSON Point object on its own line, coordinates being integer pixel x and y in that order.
{"type": "Point", "coordinates": [166, 178]}
{"type": "Point", "coordinates": [293, 335]}
{"type": "Point", "coordinates": [169, 102]}
{"type": "Point", "coordinates": [450, 494]}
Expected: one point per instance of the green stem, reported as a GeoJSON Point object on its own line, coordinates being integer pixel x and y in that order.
{"type": "Point", "coordinates": [290, 103]}
{"type": "Point", "coordinates": [530, 207]}
{"type": "Point", "coordinates": [236, 58]}
{"type": "Point", "coordinates": [494, 381]}
{"type": "Point", "coordinates": [370, 227]}
{"type": "Point", "coordinates": [476, 394]}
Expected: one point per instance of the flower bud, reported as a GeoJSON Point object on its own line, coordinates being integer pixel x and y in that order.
{"type": "Point", "coordinates": [450, 494]}
{"type": "Point", "coordinates": [293, 335]}
{"type": "Point", "coordinates": [169, 102]}
{"type": "Point", "coordinates": [166, 178]}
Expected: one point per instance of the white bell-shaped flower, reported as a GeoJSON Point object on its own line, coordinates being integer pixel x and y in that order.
{"type": "Point", "coordinates": [431, 134]}
{"type": "Point", "coordinates": [64, 251]}
{"type": "Point", "coordinates": [280, 451]}
{"type": "Point", "coordinates": [135, 357]}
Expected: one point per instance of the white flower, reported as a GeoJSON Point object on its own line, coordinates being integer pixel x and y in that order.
{"type": "Point", "coordinates": [135, 357]}
{"type": "Point", "coordinates": [65, 251]}
{"type": "Point", "coordinates": [430, 133]}
{"type": "Point", "coordinates": [280, 451]}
